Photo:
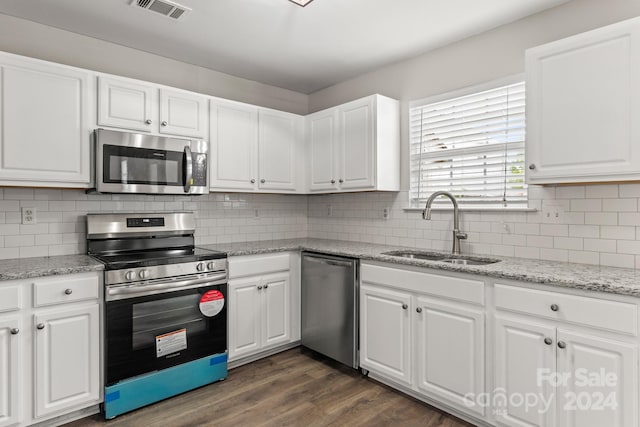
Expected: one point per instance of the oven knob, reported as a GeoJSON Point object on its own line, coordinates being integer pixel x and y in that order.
{"type": "Point", "coordinates": [200, 266]}
{"type": "Point", "coordinates": [144, 274]}
{"type": "Point", "coordinates": [211, 265]}
{"type": "Point", "coordinates": [129, 275]}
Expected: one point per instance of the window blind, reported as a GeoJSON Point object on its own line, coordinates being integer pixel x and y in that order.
{"type": "Point", "coordinates": [471, 146]}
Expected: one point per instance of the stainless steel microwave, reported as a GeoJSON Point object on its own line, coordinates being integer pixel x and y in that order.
{"type": "Point", "coordinates": [145, 164]}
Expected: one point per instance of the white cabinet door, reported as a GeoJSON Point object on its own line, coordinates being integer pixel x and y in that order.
{"type": "Point", "coordinates": [583, 100]}
{"type": "Point", "coordinates": [602, 381]}
{"type": "Point", "coordinates": [184, 114]}
{"type": "Point", "coordinates": [10, 370]}
{"type": "Point", "coordinates": [127, 104]}
{"type": "Point", "coordinates": [244, 317]}
{"type": "Point", "coordinates": [385, 332]}
{"type": "Point", "coordinates": [522, 358]}
{"type": "Point", "coordinates": [322, 141]}
{"type": "Point", "coordinates": [277, 140]}
{"type": "Point", "coordinates": [45, 129]}
{"type": "Point", "coordinates": [357, 144]}
{"type": "Point", "coordinates": [66, 358]}
{"type": "Point", "coordinates": [276, 309]}
{"type": "Point", "coordinates": [234, 139]}
{"type": "Point", "coordinates": [450, 352]}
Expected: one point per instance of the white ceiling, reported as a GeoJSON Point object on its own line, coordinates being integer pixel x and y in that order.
{"type": "Point", "coordinates": [277, 42]}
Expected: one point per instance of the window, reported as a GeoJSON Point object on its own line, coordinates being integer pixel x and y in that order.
{"type": "Point", "coordinates": [471, 146]}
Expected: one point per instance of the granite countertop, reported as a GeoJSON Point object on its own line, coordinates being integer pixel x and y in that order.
{"type": "Point", "coordinates": [622, 281]}
{"type": "Point", "coordinates": [23, 268]}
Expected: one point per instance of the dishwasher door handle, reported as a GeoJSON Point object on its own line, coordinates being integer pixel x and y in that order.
{"type": "Point", "coordinates": [327, 261]}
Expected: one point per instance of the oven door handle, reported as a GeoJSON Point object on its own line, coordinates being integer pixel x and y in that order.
{"type": "Point", "coordinates": [188, 178]}
{"type": "Point", "coordinates": [116, 292]}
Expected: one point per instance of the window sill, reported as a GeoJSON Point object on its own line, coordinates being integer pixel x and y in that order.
{"type": "Point", "coordinates": [474, 209]}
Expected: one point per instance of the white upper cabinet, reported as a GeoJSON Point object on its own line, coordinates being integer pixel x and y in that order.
{"type": "Point", "coordinates": [355, 146]}
{"type": "Point", "coordinates": [255, 149]}
{"type": "Point", "coordinates": [130, 104]}
{"type": "Point", "coordinates": [45, 112]}
{"type": "Point", "coordinates": [583, 100]}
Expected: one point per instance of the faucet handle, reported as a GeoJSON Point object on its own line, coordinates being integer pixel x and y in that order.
{"type": "Point", "coordinates": [461, 235]}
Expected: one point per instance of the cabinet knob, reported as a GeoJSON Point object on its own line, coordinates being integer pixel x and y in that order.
{"type": "Point", "coordinates": [14, 331]}
{"type": "Point", "coordinates": [266, 286]}
{"type": "Point", "coordinates": [68, 291]}
{"type": "Point", "coordinates": [40, 326]}
{"type": "Point", "coordinates": [253, 181]}
{"type": "Point", "coordinates": [263, 181]}
{"type": "Point", "coordinates": [259, 287]}
{"type": "Point", "coordinates": [148, 121]}
{"type": "Point", "coordinates": [405, 306]}
{"type": "Point", "coordinates": [562, 344]}
{"type": "Point", "coordinates": [419, 310]}
{"type": "Point", "coordinates": [341, 180]}
{"type": "Point", "coordinates": [548, 341]}
{"type": "Point", "coordinates": [164, 123]}
{"type": "Point", "coordinates": [532, 166]}
{"type": "Point", "coordinates": [554, 307]}
{"type": "Point", "coordinates": [333, 181]}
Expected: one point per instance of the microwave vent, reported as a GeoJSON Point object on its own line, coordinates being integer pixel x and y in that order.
{"type": "Point", "coordinates": [166, 8]}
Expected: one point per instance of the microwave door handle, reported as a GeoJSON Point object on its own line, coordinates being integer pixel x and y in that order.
{"type": "Point", "coordinates": [189, 169]}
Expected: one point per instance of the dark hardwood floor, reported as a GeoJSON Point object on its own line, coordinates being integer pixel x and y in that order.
{"type": "Point", "coordinates": [294, 388]}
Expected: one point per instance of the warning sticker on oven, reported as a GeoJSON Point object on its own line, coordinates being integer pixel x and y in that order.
{"type": "Point", "coordinates": [211, 303]}
{"type": "Point", "coordinates": [171, 342]}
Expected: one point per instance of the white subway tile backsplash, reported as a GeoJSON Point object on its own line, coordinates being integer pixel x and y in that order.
{"type": "Point", "coordinates": [601, 218]}
{"type": "Point", "coordinates": [554, 229]}
{"type": "Point", "coordinates": [629, 218]}
{"type": "Point", "coordinates": [578, 230]}
{"type": "Point", "coordinates": [620, 205]}
{"type": "Point", "coordinates": [584, 257]}
{"type": "Point", "coordinates": [600, 245]}
{"type": "Point", "coordinates": [570, 192]}
{"type": "Point", "coordinates": [605, 191]}
{"type": "Point", "coordinates": [554, 254]}
{"type": "Point", "coordinates": [617, 260]}
{"type": "Point", "coordinates": [617, 232]}
{"type": "Point", "coordinates": [586, 205]}
{"type": "Point", "coordinates": [629, 190]}
{"type": "Point", "coordinates": [574, 243]}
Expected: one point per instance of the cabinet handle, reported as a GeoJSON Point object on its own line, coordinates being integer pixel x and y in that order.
{"type": "Point", "coordinates": [14, 331]}
{"type": "Point", "coordinates": [405, 306]}
{"type": "Point", "coordinates": [266, 286]}
{"type": "Point", "coordinates": [554, 307]}
{"type": "Point", "coordinates": [148, 121]}
{"type": "Point", "coordinates": [40, 326]}
{"type": "Point", "coordinates": [548, 341]}
{"type": "Point", "coordinates": [68, 291]}
{"type": "Point", "coordinates": [253, 181]}
{"type": "Point", "coordinates": [263, 181]}
{"type": "Point", "coordinates": [532, 166]}
{"type": "Point", "coordinates": [562, 344]}
{"type": "Point", "coordinates": [259, 287]}
{"type": "Point", "coordinates": [341, 180]}
{"type": "Point", "coordinates": [164, 123]}
{"type": "Point", "coordinates": [419, 310]}
{"type": "Point", "coordinates": [333, 181]}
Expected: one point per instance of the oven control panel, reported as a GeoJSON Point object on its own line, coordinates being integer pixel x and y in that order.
{"type": "Point", "coordinates": [166, 271]}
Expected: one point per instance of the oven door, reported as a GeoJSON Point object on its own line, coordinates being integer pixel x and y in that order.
{"type": "Point", "coordinates": [136, 163]}
{"type": "Point", "coordinates": [157, 331]}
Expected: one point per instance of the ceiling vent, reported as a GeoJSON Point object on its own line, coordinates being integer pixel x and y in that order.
{"type": "Point", "coordinates": [163, 7]}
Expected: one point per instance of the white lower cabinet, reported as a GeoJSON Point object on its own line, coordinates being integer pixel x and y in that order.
{"type": "Point", "coordinates": [50, 356]}
{"type": "Point", "coordinates": [66, 357]}
{"type": "Point", "coordinates": [385, 332]}
{"type": "Point", "coordinates": [11, 367]}
{"type": "Point", "coordinates": [422, 331]}
{"type": "Point", "coordinates": [264, 303]}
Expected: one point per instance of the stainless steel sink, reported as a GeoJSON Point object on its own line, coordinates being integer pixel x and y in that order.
{"type": "Point", "coordinates": [435, 256]}
{"type": "Point", "coordinates": [429, 256]}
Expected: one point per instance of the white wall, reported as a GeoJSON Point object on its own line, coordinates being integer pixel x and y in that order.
{"type": "Point", "coordinates": [28, 38]}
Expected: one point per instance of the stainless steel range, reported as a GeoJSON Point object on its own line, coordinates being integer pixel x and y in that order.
{"type": "Point", "coordinates": [165, 307]}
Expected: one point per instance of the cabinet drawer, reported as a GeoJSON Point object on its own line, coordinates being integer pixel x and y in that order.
{"type": "Point", "coordinates": [456, 288]}
{"type": "Point", "coordinates": [65, 289]}
{"type": "Point", "coordinates": [252, 265]}
{"type": "Point", "coordinates": [597, 313]}
{"type": "Point", "coordinates": [10, 298]}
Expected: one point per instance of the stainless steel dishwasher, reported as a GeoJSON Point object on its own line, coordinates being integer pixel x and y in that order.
{"type": "Point", "coordinates": [330, 306]}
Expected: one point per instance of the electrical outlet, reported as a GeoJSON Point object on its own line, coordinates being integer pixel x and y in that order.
{"type": "Point", "coordinates": [552, 213]}
{"type": "Point", "coordinates": [329, 210]}
{"type": "Point", "coordinates": [385, 213]}
{"type": "Point", "coordinates": [29, 216]}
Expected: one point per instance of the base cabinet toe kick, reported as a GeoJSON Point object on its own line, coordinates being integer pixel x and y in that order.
{"type": "Point", "coordinates": [501, 352]}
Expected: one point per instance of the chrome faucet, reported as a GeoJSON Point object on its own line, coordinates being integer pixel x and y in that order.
{"type": "Point", "coordinates": [457, 234]}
